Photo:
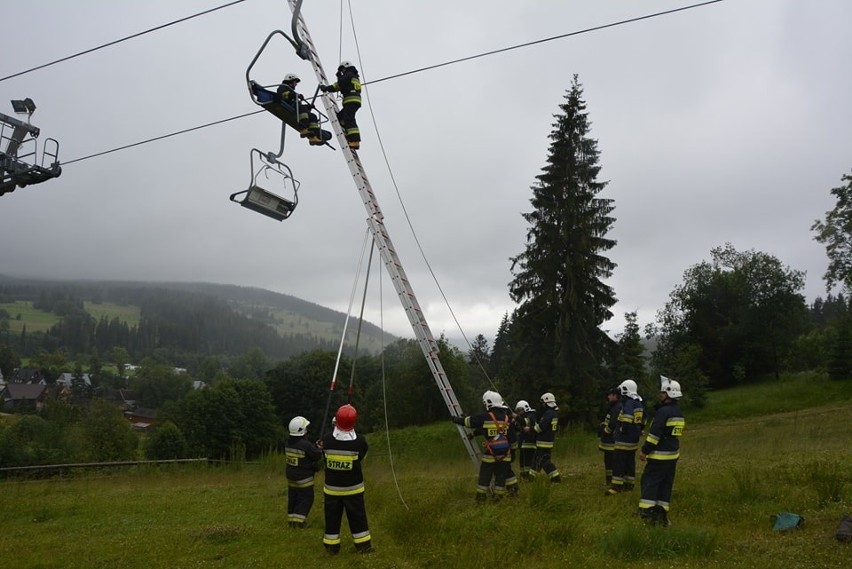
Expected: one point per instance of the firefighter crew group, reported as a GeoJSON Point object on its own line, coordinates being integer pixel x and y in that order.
{"type": "Point", "coordinates": [505, 434]}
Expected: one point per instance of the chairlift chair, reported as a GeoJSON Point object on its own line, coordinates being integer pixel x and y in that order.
{"type": "Point", "coordinates": [263, 201]}
{"type": "Point", "coordinates": [267, 97]}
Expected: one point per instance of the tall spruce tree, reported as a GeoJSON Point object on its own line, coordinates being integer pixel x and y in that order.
{"type": "Point", "coordinates": [559, 278]}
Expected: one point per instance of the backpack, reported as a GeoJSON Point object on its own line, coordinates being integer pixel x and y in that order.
{"type": "Point", "coordinates": [497, 444]}
{"type": "Point", "coordinates": [844, 530]}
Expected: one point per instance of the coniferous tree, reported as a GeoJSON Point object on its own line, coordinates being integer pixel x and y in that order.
{"type": "Point", "coordinates": [559, 278]}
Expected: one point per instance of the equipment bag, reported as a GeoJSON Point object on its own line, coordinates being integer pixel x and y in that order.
{"type": "Point", "coordinates": [497, 443]}
{"type": "Point", "coordinates": [787, 521]}
{"type": "Point", "coordinates": [844, 530]}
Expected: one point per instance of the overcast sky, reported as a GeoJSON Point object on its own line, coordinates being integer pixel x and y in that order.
{"type": "Point", "coordinates": [724, 123]}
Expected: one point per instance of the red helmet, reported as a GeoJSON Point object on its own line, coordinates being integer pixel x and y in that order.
{"type": "Point", "coordinates": [346, 417]}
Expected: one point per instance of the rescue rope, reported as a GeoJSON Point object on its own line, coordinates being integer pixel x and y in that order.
{"type": "Point", "coordinates": [343, 336]}
{"type": "Point", "coordinates": [384, 391]}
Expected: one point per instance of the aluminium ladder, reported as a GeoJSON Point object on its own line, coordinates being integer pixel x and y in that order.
{"type": "Point", "coordinates": [382, 240]}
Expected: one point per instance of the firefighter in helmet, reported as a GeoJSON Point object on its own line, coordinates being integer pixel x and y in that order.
{"type": "Point", "coordinates": [308, 120]}
{"type": "Point", "coordinates": [303, 460]}
{"type": "Point", "coordinates": [660, 453]}
{"type": "Point", "coordinates": [349, 84]}
{"type": "Point", "coordinates": [545, 429]}
{"type": "Point", "coordinates": [629, 426]}
{"type": "Point", "coordinates": [525, 421]}
{"type": "Point", "coordinates": [495, 462]}
{"type": "Point", "coordinates": [344, 450]}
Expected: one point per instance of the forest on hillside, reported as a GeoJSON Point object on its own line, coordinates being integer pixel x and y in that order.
{"type": "Point", "coordinates": [180, 324]}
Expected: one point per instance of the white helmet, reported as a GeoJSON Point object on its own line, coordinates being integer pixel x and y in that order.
{"type": "Point", "coordinates": [670, 387]}
{"type": "Point", "coordinates": [523, 406]}
{"type": "Point", "coordinates": [492, 399]}
{"type": "Point", "coordinates": [548, 399]}
{"type": "Point", "coordinates": [345, 64]}
{"type": "Point", "coordinates": [298, 426]}
{"type": "Point", "coordinates": [628, 388]}
{"type": "Point", "coordinates": [291, 77]}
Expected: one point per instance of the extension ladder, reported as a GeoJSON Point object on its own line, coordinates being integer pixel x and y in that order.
{"type": "Point", "coordinates": [385, 246]}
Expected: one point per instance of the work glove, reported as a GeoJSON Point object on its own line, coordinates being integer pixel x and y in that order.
{"type": "Point", "coordinates": [324, 88]}
{"type": "Point", "coordinates": [458, 420]}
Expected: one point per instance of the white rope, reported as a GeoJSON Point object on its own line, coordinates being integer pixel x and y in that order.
{"type": "Point", "coordinates": [384, 389]}
{"type": "Point", "coordinates": [349, 310]}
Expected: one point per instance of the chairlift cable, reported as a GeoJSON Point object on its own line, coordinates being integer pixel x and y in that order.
{"type": "Point", "coordinates": [112, 43]}
{"type": "Point", "coordinates": [536, 42]}
{"type": "Point", "coordinates": [378, 80]}
{"type": "Point", "coordinates": [156, 138]}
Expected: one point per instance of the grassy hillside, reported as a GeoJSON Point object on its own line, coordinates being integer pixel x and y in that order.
{"type": "Point", "coordinates": [22, 314]}
{"type": "Point", "coordinates": [734, 476]}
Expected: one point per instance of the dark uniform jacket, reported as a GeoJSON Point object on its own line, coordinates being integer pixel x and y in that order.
{"type": "Point", "coordinates": [546, 428]}
{"type": "Point", "coordinates": [606, 432]}
{"type": "Point", "coordinates": [343, 476]}
{"type": "Point", "coordinates": [663, 440]}
{"type": "Point", "coordinates": [349, 85]}
{"type": "Point", "coordinates": [631, 420]}
{"type": "Point", "coordinates": [484, 425]}
{"type": "Point", "coordinates": [303, 459]}
{"type": "Point", "coordinates": [528, 419]}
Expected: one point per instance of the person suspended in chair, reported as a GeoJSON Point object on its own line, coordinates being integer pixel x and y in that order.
{"type": "Point", "coordinates": [308, 121]}
{"type": "Point", "coordinates": [349, 85]}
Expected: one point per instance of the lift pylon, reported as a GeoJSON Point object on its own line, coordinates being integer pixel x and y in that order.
{"type": "Point", "coordinates": [375, 220]}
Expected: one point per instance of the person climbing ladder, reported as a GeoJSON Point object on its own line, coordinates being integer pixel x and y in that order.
{"type": "Point", "coordinates": [349, 85]}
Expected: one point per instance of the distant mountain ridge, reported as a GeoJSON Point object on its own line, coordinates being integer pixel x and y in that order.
{"type": "Point", "coordinates": [288, 316]}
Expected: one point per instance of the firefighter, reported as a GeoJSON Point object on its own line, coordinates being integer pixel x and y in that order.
{"type": "Point", "coordinates": [308, 121]}
{"type": "Point", "coordinates": [344, 483]}
{"type": "Point", "coordinates": [660, 453]}
{"type": "Point", "coordinates": [494, 425]}
{"type": "Point", "coordinates": [349, 84]}
{"type": "Point", "coordinates": [303, 460]}
{"type": "Point", "coordinates": [545, 430]}
{"type": "Point", "coordinates": [606, 431]}
{"type": "Point", "coordinates": [525, 421]}
{"type": "Point", "coordinates": [630, 422]}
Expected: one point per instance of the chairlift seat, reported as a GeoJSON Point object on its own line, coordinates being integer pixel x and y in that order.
{"type": "Point", "coordinates": [265, 202]}
{"type": "Point", "coordinates": [272, 102]}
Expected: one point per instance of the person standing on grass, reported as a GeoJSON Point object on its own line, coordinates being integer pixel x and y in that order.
{"type": "Point", "coordinates": [606, 431]}
{"type": "Point", "coordinates": [525, 427]}
{"type": "Point", "coordinates": [660, 453]}
{"type": "Point", "coordinates": [631, 421]}
{"type": "Point", "coordinates": [495, 463]}
{"type": "Point", "coordinates": [545, 437]}
{"type": "Point", "coordinates": [344, 483]}
{"type": "Point", "coordinates": [303, 458]}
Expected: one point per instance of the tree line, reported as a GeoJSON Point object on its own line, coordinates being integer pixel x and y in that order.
{"type": "Point", "coordinates": [738, 317]}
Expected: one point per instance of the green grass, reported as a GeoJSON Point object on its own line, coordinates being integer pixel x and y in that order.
{"type": "Point", "coordinates": [40, 321]}
{"type": "Point", "coordinates": [124, 312]}
{"type": "Point", "coordinates": [733, 477]}
{"type": "Point", "coordinates": [22, 313]}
